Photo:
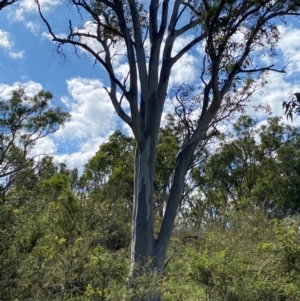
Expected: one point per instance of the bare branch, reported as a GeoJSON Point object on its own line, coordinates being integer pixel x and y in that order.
{"type": "Point", "coordinates": [174, 16]}
{"type": "Point", "coordinates": [106, 64]}
{"type": "Point", "coordinates": [140, 51]}
{"type": "Point", "coordinates": [187, 27]}
{"type": "Point", "coordinates": [117, 106]}
{"type": "Point", "coordinates": [5, 3]}
{"type": "Point", "coordinates": [95, 16]}
{"type": "Point", "coordinates": [269, 68]}
{"type": "Point", "coordinates": [133, 89]}
{"type": "Point", "coordinates": [164, 19]}
{"type": "Point", "coordinates": [153, 28]}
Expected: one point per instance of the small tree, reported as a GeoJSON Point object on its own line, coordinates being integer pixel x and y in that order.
{"type": "Point", "coordinates": [23, 121]}
{"type": "Point", "coordinates": [231, 33]}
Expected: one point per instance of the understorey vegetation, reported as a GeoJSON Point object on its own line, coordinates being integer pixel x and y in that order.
{"type": "Point", "coordinates": [67, 236]}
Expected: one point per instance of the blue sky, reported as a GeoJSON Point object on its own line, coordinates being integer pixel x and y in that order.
{"type": "Point", "coordinates": [27, 57]}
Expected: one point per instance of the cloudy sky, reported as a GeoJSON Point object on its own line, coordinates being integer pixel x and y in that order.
{"type": "Point", "coordinates": [28, 58]}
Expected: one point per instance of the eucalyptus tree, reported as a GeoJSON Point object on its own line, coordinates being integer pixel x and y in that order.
{"type": "Point", "coordinates": [257, 168]}
{"type": "Point", "coordinates": [24, 120]}
{"type": "Point", "coordinates": [226, 37]}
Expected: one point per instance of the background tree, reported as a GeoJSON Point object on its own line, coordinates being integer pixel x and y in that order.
{"type": "Point", "coordinates": [227, 66]}
{"type": "Point", "coordinates": [23, 121]}
{"type": "Point", "coordinates": [258, 167]}
{"type": "Point", "coordinates": [107, 183]}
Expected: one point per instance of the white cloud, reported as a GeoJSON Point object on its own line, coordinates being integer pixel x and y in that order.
{"type": "Point", "coordinates": [91, 109]}
{"type": "Point", "coordinates": [281, 86]}
{"type": "Point", "coordinates": [47, 36]}
{"type": "Point", "coordinates": [8, 45]}
{"type": "Point", "coordinates": [117, 48]}
{"type": "Point", "coordinates": [33, 27]}
{"type": "Point", "coordinates": [43, 146]}
{"type": "Point", "coordinates": [29, 6]}
{"type": "Point", "coordinates": [123, 71]}
{"type": "Point", "coordinates": [66, 101]}
{"type": "Point", "coordinates": [276, 91]}
{"type": "Point", "coordinates": [16, 55]}
{"type": "Point", "coordinates": [93, 120]}
{"type": "Point", "coordinates": [79, 158]}
{"type": "Point", "coordinates": [290, 47]}
{"type": "Point", "coordinates": [30, 87]}
{"type": "Point", "coordinates": [183, 71]}
{"type": "Point", "coordinates": [5, 42]}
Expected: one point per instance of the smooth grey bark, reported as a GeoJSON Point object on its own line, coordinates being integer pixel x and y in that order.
{"type": "Point", "coordinates": [152, 69]}
{"type": "Point", "coordinates": [142, 218]}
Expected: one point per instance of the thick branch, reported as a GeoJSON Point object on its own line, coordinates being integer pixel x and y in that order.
{"type": "Point", "coordinates": [182, 163]}
{"type": "Point", "coordinates": [164, 17]}
{"type": "Point", "coordinates": [133, 91]}
{"type": "Point", "coordinates": [188, 47]}
{"type": "Point", "coordinates": [154, 108]}
{"type": "Point", "coordinates": [206, 5]}
{"type": "Point", "coordinates": [174, 16]}
{"type": "Point", "coordinates": [153, 27]}
{"type": "Point", "coordinates": [187, 27]}
{"type": "Point", "coordinates": [166, 59]}
{"type": "Point", "coordinates": [139, 48]}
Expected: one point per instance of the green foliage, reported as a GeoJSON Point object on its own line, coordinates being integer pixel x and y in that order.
{"type": "Point", "coordinates": [67, 237]}
{"type": "Point", "coordinates": [258, 166]}
{"type": "Point", "coordinates": [64, 258]}
{"type": "Point", "coordinates": [23, 121]}
{"type": "Point", "coordinates": [245, 257]}
{"type": "Point", "coordinates": [292, 106]}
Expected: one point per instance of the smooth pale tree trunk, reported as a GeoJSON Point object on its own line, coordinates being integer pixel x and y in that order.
{"type": "Point", "coordinates": [142, 221]}
{"type": "Point", "coordinates": [147, 253]}
{"type": "Point", "coordinates": [143, 242]}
